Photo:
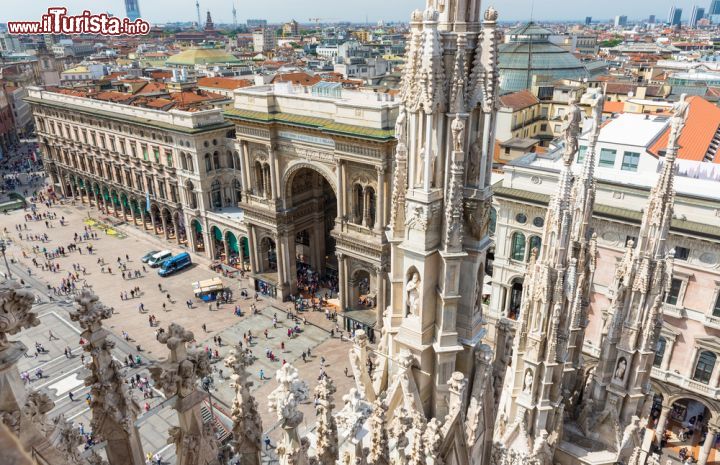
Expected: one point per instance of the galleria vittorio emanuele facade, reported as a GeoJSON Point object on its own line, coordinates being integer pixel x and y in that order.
{"type": "Point", "coordinates": [393, 196]}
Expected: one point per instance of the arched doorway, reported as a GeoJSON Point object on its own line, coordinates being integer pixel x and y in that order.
{"type": "Point", "coordinates": [167, 223]}
{"type": "Point", "coordinates": [197, 231]}
{"type": "Point", "coordinates": [218, 243]}
{"type": "Point", "coordinates": [268, 255]}
{"type": "Point", "coordinates": [155, 219]}
{"type": "Point", "coordinates": [233, 248]}
{"type": "Point", "coordinates": [125, 203]}
{"type": "Point", "coordinates": [179, 223]}
{"type": "Point", "coordinates": [362, 290]}
{"type": "Point", "coordinates": [684, 424]}
{"type": "Point", "coordinates": [312, 201]}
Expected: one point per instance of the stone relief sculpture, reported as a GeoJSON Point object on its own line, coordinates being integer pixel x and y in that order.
{"type": "Point", "coordinates": [458, 134]}
{"type": "Point", "coordinates": [571, 129]}
{"type": "Point", "coordinates": [620, 369]}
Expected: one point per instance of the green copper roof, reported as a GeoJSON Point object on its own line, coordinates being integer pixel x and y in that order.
{"type": "Point", "coordinates": [325, 125]}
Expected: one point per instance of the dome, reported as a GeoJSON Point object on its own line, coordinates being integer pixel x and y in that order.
{"type": "Point", "coordinates": [201, 56]}
{"type": "Point", "coordinates": [529, 52]}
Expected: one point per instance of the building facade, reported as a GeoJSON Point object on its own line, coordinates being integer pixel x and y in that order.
{"type": "Point", "coordinates": [685, 374]}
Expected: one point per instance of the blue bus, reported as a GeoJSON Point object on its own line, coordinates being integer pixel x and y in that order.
{"type": "Point", "coordinates": [176, 263]}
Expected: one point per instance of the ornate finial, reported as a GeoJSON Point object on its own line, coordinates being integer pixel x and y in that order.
{"type": "Point", "coordinates": [15, 306]}
{"type": "Point", "coordinates": [175, 335]}
{"type": "Point", "coordinates": [416, 16]}
{"type": "Point", "coordinates": [491, 14]}
{"type": "Point", "coordinates": [89, 311]}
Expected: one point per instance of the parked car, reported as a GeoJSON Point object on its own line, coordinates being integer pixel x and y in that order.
{"type": "Point", "coordinates": [149, 255]}
{"type": "Point", "coordinates": [174, 264]}
{"type": "Point", "coordinates": [158, 258]}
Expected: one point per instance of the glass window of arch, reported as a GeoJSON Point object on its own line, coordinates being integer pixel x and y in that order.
{"type": "Point", "coordinates": [493, 220]}
{"type": "Point", "coordinates": [704, 367]}
{"type": "Point", "coordinates": [518, 247]}
{"type": "Point", "coordinates": [535, 243]}
{"type": "Point", "coordinates": [659, 351]}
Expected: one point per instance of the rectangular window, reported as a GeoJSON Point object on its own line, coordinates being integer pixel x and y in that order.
{"type": "Point", "coordinates": [674, 292]}
{"type": "Point", "coordinates": [102, 140]}
{"type": "Point", "coordinates": [156, 152]}
{"type": "Point", "coordinates": [630, 161]}
{"type": "Point", "coordinates": [716, 308]}
{"type": "Point", "coordinates": [145, 152]}
{"type": "Point", "coordinates": [543, 127]}
{"type": "Point", "coordinates": [682, 253]}
{"type": "Point", "coordinates": [169, 158]}
{"type": "Point", "coordinates": [607, 158]}
{"type": "Point", "coordinates": [582, 151]}
{"type": "Point", "coordinates": [133, 149]}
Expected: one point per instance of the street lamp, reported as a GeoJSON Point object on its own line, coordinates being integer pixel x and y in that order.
{"type": "Point", "coordinates": [3, 247]}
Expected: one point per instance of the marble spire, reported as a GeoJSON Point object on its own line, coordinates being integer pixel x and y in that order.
{"type": "Point", "coordinates": [113, 410]}
{"type": "Point", "coordinates": [247, 424]}
{"type": "Point", "coordinates": [177, 377]}
{"type": "Point", "coordinates": [619, 390]}
{"type": "Point", "coordinates": [556, 290]}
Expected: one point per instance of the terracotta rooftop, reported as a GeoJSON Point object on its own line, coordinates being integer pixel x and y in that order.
{"type": "Point", "coordinates": [518, 100]}
{"type": "Point", "coordinates": [613, 107]}
{"type": "Point", "coordinates": [297, 78]}
{"type": "Point", "coordinates": [223, 83]}
{"type": "Point", "coordinates": [702, 126]}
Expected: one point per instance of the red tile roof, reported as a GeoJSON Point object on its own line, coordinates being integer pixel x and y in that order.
{"type": "Point", "coordinates": [223, 83]}
{"type": "Point", "coordinates": [519, 100]}
{"type": "Point", "coordinates": [702, 123]}
{"type": "Point", "coordinates": [613, 107]}
{"type": "Point", "coordinates": [297, 78]}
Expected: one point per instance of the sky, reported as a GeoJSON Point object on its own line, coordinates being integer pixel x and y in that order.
{"type": "Point", "coordinates": [276, 11]}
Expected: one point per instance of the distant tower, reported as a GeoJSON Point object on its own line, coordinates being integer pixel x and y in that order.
{"type": "Point", "coordinates": [197, 7]}
{"type": "Point", "coordinates": [132, 9]}
{"type": "Point", "coordinates": [209, 26]}
{"type": "Point", "coordinates": [234, 16]}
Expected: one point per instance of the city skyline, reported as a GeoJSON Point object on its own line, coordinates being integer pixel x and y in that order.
{"type": "Point", "coordinates": [276, 11]}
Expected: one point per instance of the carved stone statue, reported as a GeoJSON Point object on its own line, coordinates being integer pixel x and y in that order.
{"type": "Point", "coordinates": [473, 164]}
{"type": "Point", "coordinates": [571, 130]}
{"type": "Point", "coordinates": [413, 290]}
{"type": "Point", "coordinates": [400, 125]}
{"type": "Point", "coordinates": [620, 369]}
{"type": "Point", "coordinates": [528, 382]}
{"type": "Point", "coordinates": [458, 133]}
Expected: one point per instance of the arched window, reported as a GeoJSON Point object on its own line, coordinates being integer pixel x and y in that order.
{"type": "Point", "coordinates": [659, 351]}
{"type": "Point", "coordinates": [190, 166]}
{"type": "Point", "coordinates": [535, 243]}
{"type": "Point", "coordinates": [493, 220]}
{"type": "Point", "coordinates": [518, 247]}
{"type": "Point", "coordinates": [192, 196]}
{"type": "Point", "coordinates": [216, 194]}
{"type": "Point", "coordinates": [704, 367]}
{"type": "Point", "coordinates": [237, 188]}
{"type": "Point", "coordinates": [183, 161]}
{"type": "Point", "coordinates": [230, 163]}
{"type": "Point", "coordinates": [208, 163]}
{"type": "Point", "coordinates": [216, 160]}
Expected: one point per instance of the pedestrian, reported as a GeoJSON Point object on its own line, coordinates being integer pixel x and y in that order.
{"type": "Point", "coordinates": [262, 374]}
{"type": "Point", "coordinates": [51, 336]}
{"type": "Point", "coordinates": [71, 396]}
{"type": "Point", "coordinates": [204, 328]}
{"type": "Point", "coordinates": [267, 442]}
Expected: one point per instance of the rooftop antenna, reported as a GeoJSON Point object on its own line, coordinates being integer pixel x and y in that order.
{"type": "Point", "coordinates": [197, 6]}
{"type": "Point", "coordinates": [532, 9]}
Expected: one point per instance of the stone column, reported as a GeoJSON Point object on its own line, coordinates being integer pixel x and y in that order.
{"type": "Point", "coordinates": [163, 221]}
{"type": "Point", "coordinates": [226, 246]}
{"type": "Point", "coordinates": [693, 362]}
{"type": "Point", "coordinates": [379, 297]}
{"type": "Point", "coordinates": [154, 222]}
{"type": "Point", "coordinates": [662, 423]}
{"type": "Point", "coordinates": [143, 218]}
{"type": "Point", "coordinates": [134, 215]}
{"type": "Point", "coordinates": [176, 226]}
{"type": "Point", "coordinates": [669, 344]}
{"type": "Point", "coordinates": [366, 207]}
{"type": "Point", "coordinates": [707, 445]}
{"type": "Point", "coordinates": [342, 281]}
{"type": "Point", "coordinates": [340, 190]}
{"type": "Point", "coordinates": [244, 167]}
{"type": "Point", "coordinates": [714, 376]}
{"type": "Point", "coordinates": [241, 254]}
{"type": "Point", "coordinates": [267, 184]}
{"type": "Point", "coordinates": [280, 258]}
{"type": "Point", "coordinates": [253, 252]}
{"type": "Point", "coordinates": [190, 233]}
{"type": "Point", "coordinates": [275, 188]}
{"type": "Point", "coordinates": [380, 201]}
